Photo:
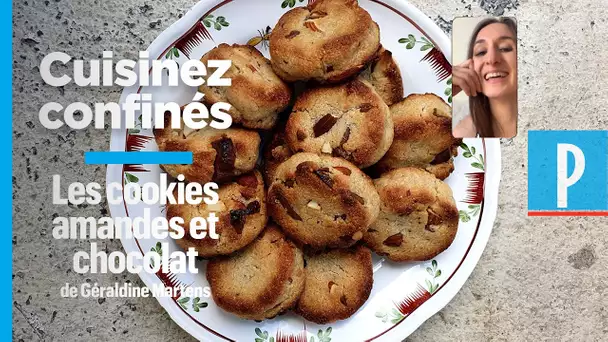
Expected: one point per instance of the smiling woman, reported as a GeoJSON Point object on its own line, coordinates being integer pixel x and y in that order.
{"type": "Point", "coordinates": [489, 78]}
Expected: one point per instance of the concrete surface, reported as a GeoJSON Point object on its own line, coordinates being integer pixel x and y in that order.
{"type": "Point", "coordinates": [540, 279]}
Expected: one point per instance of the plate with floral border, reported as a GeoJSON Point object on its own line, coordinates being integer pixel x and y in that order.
{"type": "Point", "coordinates": [403, 295]}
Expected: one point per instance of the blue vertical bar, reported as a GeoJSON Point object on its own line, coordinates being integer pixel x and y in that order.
{"type": "Point", "coordinates": [6, 72]}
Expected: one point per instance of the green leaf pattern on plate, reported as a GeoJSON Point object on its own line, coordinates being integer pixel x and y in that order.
{"type": "Point", "coordinates": [448, 90]}
{"type": "Point", "coordinates": [137, 127]}
{"type": "Point", "coordinates": [217, 22]}
{"type": "Point", "coordinates": [410, 42]}
{"type": "Point", "coordinates": [432, 284]}
{"type": "Point", "coordinates": [130, 178]}
{"type": "Point", "coordinates": [289, 3]}
{"type": "Point", "coordinates": [470, 152]}
{"type": "Point", "coordinates": [471, 211]}
{"type": "Point", "coordinates": [262, 336]}
{"type": "Point", "coordinates": [197, 305]}
{"type": "Point", "coordinates": [158, 249]}
{"type": "Point", "coordinates": [323, 336]}
{"type": "Point", "coordinates": [173, 52]}
{"type": "Point", "coordinates": [183, 301]}
{"type": "Point", "coordinates": [393, 315]}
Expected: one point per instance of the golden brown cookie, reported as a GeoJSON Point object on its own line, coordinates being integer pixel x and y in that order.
{"type": "Point", "coordinates": [257, 94]}
{"type": "Point", "coordinates": [327, 41]}
{"type": "Point", "coordinates": [384, 75]}
{"type": "Point", "coordinates": [350, 121]}
{"type": "Point", "coordinates": [241, 212]}
{"type": "Point", "coordinates": [260, 281]}
{"type": "Point", "coordinates": [423, 136]}
{"type": "Point", "coordinates": [322, 201]}
{"type": "Point", "coordinates": [217, 155]}
{"type": "Point", "coordinates": [418, 216]}
{"type": "Point", "coordinates": [337, 284]}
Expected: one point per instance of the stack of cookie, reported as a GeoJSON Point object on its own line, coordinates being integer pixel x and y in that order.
{"type": "Point", "coordinates": [350, 124]}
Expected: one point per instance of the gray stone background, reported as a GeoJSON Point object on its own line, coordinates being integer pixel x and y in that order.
{"type": "Point", "coordinates": [539, 279]}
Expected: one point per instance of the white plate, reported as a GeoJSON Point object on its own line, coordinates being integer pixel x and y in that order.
{"type": "Point", "coordinates": [403, 295]}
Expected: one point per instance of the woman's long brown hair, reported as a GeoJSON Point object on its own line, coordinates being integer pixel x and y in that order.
{"type": "Point", "coordinates": [480, 105]}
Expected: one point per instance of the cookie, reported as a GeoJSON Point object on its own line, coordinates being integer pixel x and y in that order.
{"type": "Point", "coordinates": [241, 213]}
{"type": "Point", "coordinates": [217, 155]}
{"type": "Point", "coordinates": [350, 121]}
{"type": "Point", "coordinates": [322, 201]}
{"type": "Point", "coordinates": [384, 75]}
{"type": "Point", "coordinates": [418, 216]}
{"type": "Point", "coordinates": [327, 41]}
{"type": "Point", "coordinates": [337, 284]}
{"type": "Point", "coordinates": [275, 152]}
{"type": "Point", "coordinates": [423, 136]}
{"type": "Point", "coordinates": [257, 94]}
{"type": "Point", "coordinates": [260, 281]}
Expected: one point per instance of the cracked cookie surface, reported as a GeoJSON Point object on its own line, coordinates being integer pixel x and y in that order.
{"type": "Point", "coordinates": [257, 94]}
{"type": "Point", "coordinates": [241, 212]}
{"type": "Point", "coordinates": [327, 41]}
{"type": "Point", "coordinates": [423, 136]}
{"type": "Point", "coordinates": [418, 216]}
{"type": "Point", "coordinates": [350, 121]}
{"type": "Point", "coordinates": [337, 284]}
{"type": "Point", "coordinates": [322, 201]}
{"type": "Point", "coordinates": [384, 75]}
{"type": "Point", "coordinates": [217, 155]}
{"type": "Point", "coordinates": [262, 280]}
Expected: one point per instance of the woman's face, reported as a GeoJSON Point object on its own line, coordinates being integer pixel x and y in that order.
{"type": "Point", "coordinates": [495, 60]}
